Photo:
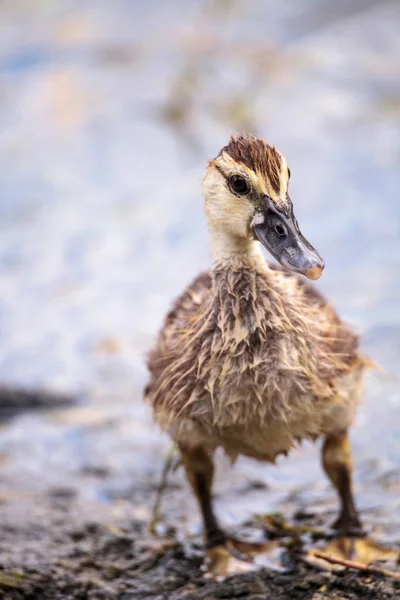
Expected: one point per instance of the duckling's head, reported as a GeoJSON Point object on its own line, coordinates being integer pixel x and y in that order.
{"type": "Point", "coordinates": [246, 198]}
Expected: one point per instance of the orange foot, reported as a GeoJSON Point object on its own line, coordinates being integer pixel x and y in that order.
{"type": "Point", "coordinates": [235, 556]}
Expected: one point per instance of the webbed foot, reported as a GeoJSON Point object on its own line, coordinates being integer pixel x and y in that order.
{"type": "Point", "coordinates": [232, 556]}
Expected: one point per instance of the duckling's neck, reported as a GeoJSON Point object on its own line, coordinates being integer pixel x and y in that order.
{"type": "Point", "coordinates": [228, 249]}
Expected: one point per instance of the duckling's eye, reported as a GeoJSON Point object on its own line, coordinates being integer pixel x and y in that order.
{"type": "Point", "coordinates": [239, 184]}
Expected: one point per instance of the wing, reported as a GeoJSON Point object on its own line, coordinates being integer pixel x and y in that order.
{"type": "Point", "coordinates": [339, 339]}
{"type": "Point", "coordinates": [184, 310]}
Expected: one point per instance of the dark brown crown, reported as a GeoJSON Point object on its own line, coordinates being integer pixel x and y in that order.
{"type": "Point", "coordinates": [257, 155]}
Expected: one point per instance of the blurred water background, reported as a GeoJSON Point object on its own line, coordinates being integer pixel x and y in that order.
{"type": "Point", "coordinates": [108, 112]}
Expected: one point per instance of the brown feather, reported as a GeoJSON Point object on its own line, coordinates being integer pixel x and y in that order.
{"type": "Point", "coordinates": [251, 358]}
{"type": "Point", "coordinates": [258, 156]}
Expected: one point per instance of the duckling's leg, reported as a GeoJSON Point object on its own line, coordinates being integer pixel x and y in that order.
{"type": "Point", "coordinates": [336, 460]}
{"type": "Point", "coordinates": [199, 469]}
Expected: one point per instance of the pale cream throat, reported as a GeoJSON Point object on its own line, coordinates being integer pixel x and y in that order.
{"type": "Point", "coordinates": [226, 248]}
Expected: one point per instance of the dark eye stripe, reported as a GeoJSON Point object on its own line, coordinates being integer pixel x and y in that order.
{"type": "Point", "coordinates": [228, 179]}
{"type": "Point", "coordinates": [221, 171]}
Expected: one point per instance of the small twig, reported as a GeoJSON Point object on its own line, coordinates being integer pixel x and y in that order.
{"type": "Point", "coordinates": [352, 564]}
{"type": "Point", "coordinates": [169, 465]}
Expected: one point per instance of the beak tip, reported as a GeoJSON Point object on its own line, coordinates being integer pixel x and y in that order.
{"type": "Point", "coordinates": [315, 272]}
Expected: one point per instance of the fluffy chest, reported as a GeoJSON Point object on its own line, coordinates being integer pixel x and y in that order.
{"type": "Point", "coordinates": [255, 350]}
{"type": "Point", "coordinates": [250, 376]}
{"type": "Point", "coordinates": [253, 356]}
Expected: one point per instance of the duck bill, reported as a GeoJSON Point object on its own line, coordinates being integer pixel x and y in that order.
{"type": "Point", "coordinates": [280, 235]}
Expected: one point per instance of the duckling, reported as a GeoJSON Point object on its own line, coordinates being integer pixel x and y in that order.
{"type": "Point", "coordinates": [251, 358]}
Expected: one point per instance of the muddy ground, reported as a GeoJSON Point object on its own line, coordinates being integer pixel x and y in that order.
{"type": "Point", "coordinates": [88, 560]}
{"type": "Point", "coordinates": [60, 548]}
